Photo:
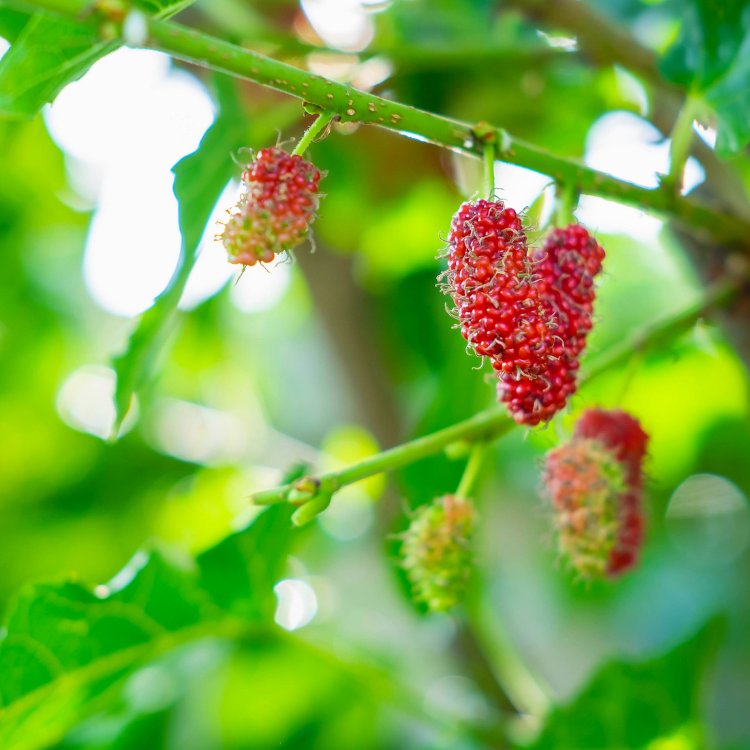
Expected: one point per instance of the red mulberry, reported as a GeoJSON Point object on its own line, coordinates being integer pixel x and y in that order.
{"type": "Point", "coordinates": [564, 272]}
{"type": "Point", "coordinates": [276, 209]}
{"type": "Point", "coordinates": [595, 484]}
{"type": "Point", "coordinates": [497, 304]}
{"type": "Point", "coordinates": [435, 551]}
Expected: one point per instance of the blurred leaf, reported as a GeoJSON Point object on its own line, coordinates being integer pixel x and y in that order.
{"type": "Point", "coordinates": [629, 705]}
{"type": "Point", "coordinates": [730, 99]}
{"type": "Point", "coordinates": [12, 21]}
{"type": "Point", "coordinates": [48, 54]}
{"type": "Point", "coordinates": [163, 8]}
{"type": "Point", "coordinates": [711, 33]}
{"type": "Point", "coordinates": [200, 179]}
{"type": "Point", "coordinates": [66, 647]}
{"type": "Point", "coordinates": [240, 571]}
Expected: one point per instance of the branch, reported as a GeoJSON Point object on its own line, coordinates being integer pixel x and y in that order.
{"type": "Point", "coordinates": [350, 105]}
{"type": "Point", "coordinates": [603, 42]}
{"type": "Point", "coordinates": [494, 422]}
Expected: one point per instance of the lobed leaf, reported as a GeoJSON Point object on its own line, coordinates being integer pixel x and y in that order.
{"type": "Point", "coordinates": [66, 648]}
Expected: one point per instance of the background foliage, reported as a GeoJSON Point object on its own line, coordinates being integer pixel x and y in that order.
{"type": "Point", "coordinates": [350, 351]}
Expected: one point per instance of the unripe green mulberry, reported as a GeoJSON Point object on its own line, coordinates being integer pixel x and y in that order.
{"type": "Point", "coordinates": [435, 551]}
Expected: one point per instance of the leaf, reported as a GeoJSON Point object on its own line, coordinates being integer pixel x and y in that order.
{"type": "Point", "coordinates": [200, 178]}
{"type": "Point", "coordinates": [730, 99]}
{"type": "Point", "coordinates": [66, 648]}
{"type": "Point", "coordinates": [236, 569]}
{"type": "Point", "coordinates": [48, 54]}
{"type": "Point", "coordinates": [12, 21]}
{"type": "Point", "coordinates": [711, 34]}
{"type": "Point", "coordinates": [629, 705]}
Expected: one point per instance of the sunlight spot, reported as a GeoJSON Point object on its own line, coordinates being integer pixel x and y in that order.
{"type": "Point", "coordinates": [298, 604]}
{"type": "Point", "coordinates": [707, 135]}
{"type": "Point", "coordinates": [708, 520]}
{"type": "Point", "coordinates": [85, 402]}
{"type": "Point", "coordinates": [261, 288]}
{"type": "Point", "coordinates": [126, 123]}
{"type": "Point", "coordinates": [518, 187]}
{"type": "Point", "coordinates": [567, 44]}
{"type": "Point", "coordinates": [629, 148]}
{"type": "Point", "coordinates": [196, 433]}
{"type": "Point", "coordinates": [123, 577]}
{"type": "Point", "coordinates": [4, 47]}
{"type": "Point", "coordinates": [609, 217]}
{"type": "Point", "coordinates": [342, 24]}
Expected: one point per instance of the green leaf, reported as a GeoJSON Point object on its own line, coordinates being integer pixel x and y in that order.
{"type": "Point", "coordinates": [162, 8]}
{"type": "Point", "coordinates": [629, 705]}
{"type": "Point", "coordinates": [241, 566]}
{"type": "Point", "coordinates": [200, 178]}
{"type": "Point", "coordinates": [711, 34]}
{"type": "Point", "coordinates": [48, 54]}
{"type": "Point", "coordinates": [12, 21]}
{"type": "Point", "coordinates": [730, 99]}
{"type": "Point", "coordinates": [66, 648]}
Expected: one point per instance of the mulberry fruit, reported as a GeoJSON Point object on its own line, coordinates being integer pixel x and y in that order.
{"type": "Point", "coordinates": [564, 272]}
{"type": "Point", "coordinates": [595, 484]}
{"type": "Point", "coordinates": [497, 304]}
{"type": "Point", "coordinates": [277, 206]}
{"type": "Point", "coordinates": [435, 551]}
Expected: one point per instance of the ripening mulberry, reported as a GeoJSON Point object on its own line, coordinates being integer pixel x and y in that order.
{"type": "Point", "coordinates": [497, 303]}
{"type": "Point", "coordinates": [277, 206]}
{"type": "Point", "coordinates": [595, 484]}
{"type": "Point", "coordinates": [435, 551]}
{"type": "Point", "coordinates": [564, 272]}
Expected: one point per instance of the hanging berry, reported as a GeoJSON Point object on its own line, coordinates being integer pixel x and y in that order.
{"type": "Point", "coordinates": [490, 279]}
{"type": "Point", "coordinates": [595, 484]}
{"type": "Point", "coordinates": [564, 270]}
{"type": "Point", "coordinates": [277, 206]}
{"type": "Point", "coordinates": [435, 551]}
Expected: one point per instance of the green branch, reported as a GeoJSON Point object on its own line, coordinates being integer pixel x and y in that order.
{"type": "Point", "coordinates": [350, 105]}
{"type": "Point", "coordinates": [488, 425]}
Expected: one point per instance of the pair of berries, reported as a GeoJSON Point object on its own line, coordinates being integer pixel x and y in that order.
{"type": "Point", "coordinates": [277, 206]}
{"type": "Point", "coordinates": [528, 311]}
{"type": "Point", "coordinates": [595, 484]}
{"type": "Point", "coordinates": [435, 551]}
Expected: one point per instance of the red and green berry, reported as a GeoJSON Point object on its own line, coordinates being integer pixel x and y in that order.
{"type": "Point", "coordinates": [278, 204]}
{"type": "Point", "coordinates": [595, 485]}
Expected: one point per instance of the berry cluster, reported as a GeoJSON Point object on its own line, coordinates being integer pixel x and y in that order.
{"type": "Point", "coordinates": [595, 484]}
{"type": "Point", "coordinates": [529, 312]}
{"type": "Point", "coordinates": [276, 208]}
{"type": "Point", "coordinates": [435, 551]}
{"type": "Point", "coordinates": [497, 304]}
{"type": "Point", "coordinates": [564, 272]}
